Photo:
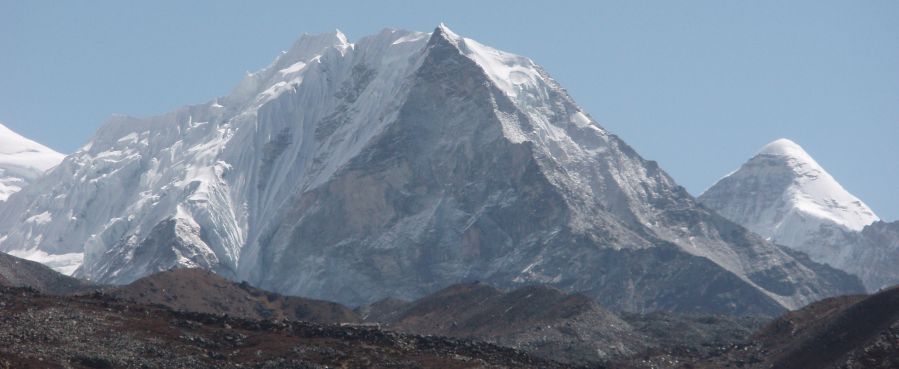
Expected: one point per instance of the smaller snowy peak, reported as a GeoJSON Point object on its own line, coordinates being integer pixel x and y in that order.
{"type": "Point", "coordinates": [782, 184]}
{"type": "Point", "coordinates": [815, 191]}
{"type": "Point", "coordinates": [783, 194]}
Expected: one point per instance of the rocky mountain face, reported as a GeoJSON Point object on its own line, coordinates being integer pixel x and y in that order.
{"type": "Point", "coordinates": [875, 254]}
{"type": "Point", "coordinates": [396, 166]}
{"type": "Point", "coordinates": [784, 195]}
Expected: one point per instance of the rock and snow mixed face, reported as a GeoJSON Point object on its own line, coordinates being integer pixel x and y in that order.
{"type": "Point", "coordinates": [783, 194]}
{"type": "Point", "coordinates": [395, 166]}
{"type": "Point", "coordinates": [874, 255]}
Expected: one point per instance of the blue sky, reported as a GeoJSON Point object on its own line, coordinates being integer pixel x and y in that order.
{"type": "Point", "coordinates": [698, 86]}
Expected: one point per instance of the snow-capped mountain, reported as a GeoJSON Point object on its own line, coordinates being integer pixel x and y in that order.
{"type": "Point", "coordinates": [783, 194]}
{"type": "Point", "coordinates": [395, 166]}
{"type": "Point", "coordinates": [21, 161]}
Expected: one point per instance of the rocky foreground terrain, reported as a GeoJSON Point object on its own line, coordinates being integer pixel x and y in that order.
{"type": "Point", "coordinates": [100, 331]}
{"type": "Point", "coordinates": [846, 332]}
{"type": "Point", "coordinates": [851, 332]}
{"type": "Point", "coordinates": [539, 320]}
{"type": "Point", "coordinates": [192, 318]}
{"type": "Point", "coordinates": [202, 291]}
{"type": "Point", "coordinates": [571, 328]}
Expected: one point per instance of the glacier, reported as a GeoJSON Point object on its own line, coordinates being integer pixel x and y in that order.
{"type": "Point", "coordinates": [395, 166]}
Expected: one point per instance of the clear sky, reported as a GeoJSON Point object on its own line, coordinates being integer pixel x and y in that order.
{"type": "Point", "coordinates": [698, 86]}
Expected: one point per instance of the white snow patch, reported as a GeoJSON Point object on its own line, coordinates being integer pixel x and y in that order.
{"type": "Point", "coordinates": [129, 138]}
{"type": "Point", "coordinates": [412, 37]}
{"type": "Point", "coordinates": [293, 68]}
{"type": "Point", "coordinates": [513, 74]}
{"type": "Point", "coordinates": [42, 218]}
{"type": "Point", "coordinates": [581, 120]}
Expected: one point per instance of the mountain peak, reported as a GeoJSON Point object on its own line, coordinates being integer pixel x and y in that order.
{"type": "Point", "coordinates": [443, 29]}
{"type": "Point", "coordinates": [797, 159]}
{"type": "Point", "coordinates": [783, 194]}
{"type": "Point", "coordinates": [814, 191]}
{"type": "Point", "coordinates": [444, 33]}
{"type": "Point", "coordinates": [793, 183]}
{"type": "Point", "coordinates": [784, 147]}
{"type": "Point", "coordinates": [399, 159]}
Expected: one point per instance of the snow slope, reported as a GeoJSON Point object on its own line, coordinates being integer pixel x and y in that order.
{"type": "Point", "coordinates": [395, 166]}
{"type": "Point", "coordinates": [783, 194]}
{"type": "Point", "coordinates": [21, 161]}
{"type": "Point", "coordinates": [815, 192]}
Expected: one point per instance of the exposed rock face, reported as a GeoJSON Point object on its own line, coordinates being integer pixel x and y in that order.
{"type": "Point", "coordinates": [172, 242]}
{"type": "Point", "coordinates": [397, 166]}
{"type": "Point", "coordinates": [787, 197]}
{"type": "Point", "coordinates": [874, 256]}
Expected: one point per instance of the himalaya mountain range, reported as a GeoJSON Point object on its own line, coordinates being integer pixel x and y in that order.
{"type": "Point", "coordinates": [407, 162]}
